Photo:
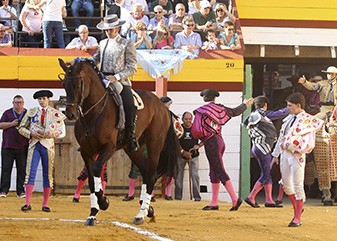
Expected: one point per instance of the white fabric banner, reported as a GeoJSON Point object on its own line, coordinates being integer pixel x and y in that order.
{"type": "Point", "coordinates": [158, 62]}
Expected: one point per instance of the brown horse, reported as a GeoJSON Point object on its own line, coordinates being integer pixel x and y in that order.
{"type": "Point", "coordinates": [96, 114]}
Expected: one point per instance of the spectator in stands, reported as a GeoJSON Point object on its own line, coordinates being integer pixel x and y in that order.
{"type": "Point", "coordinates": [31, 20]}
{"type": "Point", "coordinates": [166, 4]}
{"type": "Point", "coordinates": [52, 22]}
{"type": "Point", "coordinates": [88, 7]}
{"type": "Point", "coordinates": [84, 41]}
{"type": "Point", "coordinates": [141, 39]}
{"type": "Point", "coordinates": [7, 11]}
{"type": "Point", "coordinates": [223, 15]}
{"type": "Point", "coordinates": [137, 15]}
{"type": "Point", "coordinates": [205, 19]}
{"type": "Point", "coordinates": [187, 39]}
{"type": "Point", "coordinates": [113, 7]}
{"type": "Point", "coordinates": [163, 39]}
{"type": "Point", "coordinates": [213, 41]}
{"type": "Point", "coordinates": [193, 6]}
{"type": "Point", "coordinates": [228, 38]}
{"type": "Point", "coordinates": [129, 5]}
{"type": "Point", "coordinates": [5, 38]}
{"type": "Point", "coordinates": [158, 18]}
{"type": "Point", "coordinates": [176, 19]}
{"type": "Point", "coordinates": [183, 2]}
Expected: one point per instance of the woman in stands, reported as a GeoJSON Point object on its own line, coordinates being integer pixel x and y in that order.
{"type": "Point", "coordinates": [223, 16]}
{"type": "Point", "coordinates": [141, 39]}
{"type": "Point", "coordinates": [163, 39]}
{"type": "Point", "coordinates": [31, 20]}
{"type": "Point", "coordinates": [228, 38]}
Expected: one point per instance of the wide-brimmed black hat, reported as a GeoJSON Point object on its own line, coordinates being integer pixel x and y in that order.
{"type": "Point", "coordinates": [109, 22]}
{"type": "Point", "coordinates": [43, 93]}
{"type": "Point", "coordinates": [210, 93]}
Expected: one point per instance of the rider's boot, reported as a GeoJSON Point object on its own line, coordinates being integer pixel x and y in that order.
{"type": "Point", "coordinates": [131, 140]}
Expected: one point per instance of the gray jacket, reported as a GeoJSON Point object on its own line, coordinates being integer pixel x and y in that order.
{"type": "Point", "coordinates": [119, 58]}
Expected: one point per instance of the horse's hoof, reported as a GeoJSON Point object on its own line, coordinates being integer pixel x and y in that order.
{"type": "Point", "coordinates": [103, 203]}
{"type": "Point", "coordinates": [150, 213]}
{"type": "Point", "coordinates": [138, 221]}
{"type": "Point", "coordinates": [327, 203]}
{"type": "Point", "coordinates": [91, 222]}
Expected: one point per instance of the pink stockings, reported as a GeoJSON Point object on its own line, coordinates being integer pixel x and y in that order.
{"type": "Point", "coordinates": [298, 208]}
{"type": "Point", "coordinates": [215, 193]}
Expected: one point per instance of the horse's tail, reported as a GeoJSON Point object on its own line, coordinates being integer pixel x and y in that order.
{"type": "Point", "coordinates": [168, 160]}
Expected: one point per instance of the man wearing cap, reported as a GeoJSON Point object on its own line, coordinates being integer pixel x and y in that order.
{"type": "Point", "coordinates": [326, 88]}
{"type": "Point", "coordinates": [41, 125]}
{"type": "Point", "coordinates": [117, 57]}
{"type": "Point", "coordinates": [207, 127]}
{"type": "Point", "coordinates": [205, 18]}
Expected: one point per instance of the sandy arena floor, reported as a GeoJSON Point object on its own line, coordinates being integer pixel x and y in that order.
{"type": "Point", "coordinates": [175, 220]}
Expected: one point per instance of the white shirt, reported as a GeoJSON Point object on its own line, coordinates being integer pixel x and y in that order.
{"type": "Point", "coordinates": [33, 19]}
{"type": "Point", "coordinates": [5, 14]}
{"type": "Point", "coordinates": [53, 10]}
{"type": "Point", "coordinates": [91, 41]}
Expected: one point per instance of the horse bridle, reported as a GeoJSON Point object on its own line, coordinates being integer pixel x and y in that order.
{"type": "Point", "coordinates": [79, 106]}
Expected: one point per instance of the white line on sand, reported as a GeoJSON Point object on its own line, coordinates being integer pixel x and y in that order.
{"type": "Point", "coordinates": [119, 224]}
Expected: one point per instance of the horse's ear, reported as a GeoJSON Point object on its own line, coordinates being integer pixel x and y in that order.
{"type": "Point", "coordinates": [63, 65]}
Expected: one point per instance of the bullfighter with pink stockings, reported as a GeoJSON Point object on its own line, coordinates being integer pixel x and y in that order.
{"type": "Point", "coordinates": [207, 127]}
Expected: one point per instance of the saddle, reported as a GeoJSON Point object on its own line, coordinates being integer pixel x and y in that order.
{"type": "Point", "coordinates": [114, 89]}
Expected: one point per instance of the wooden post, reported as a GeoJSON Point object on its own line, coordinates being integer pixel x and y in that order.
{"type": "Point", "coordinates": [161, 86]}
{"type": "Point", "coordinates": [161, 90]}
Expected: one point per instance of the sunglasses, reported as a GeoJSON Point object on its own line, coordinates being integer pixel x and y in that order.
{"type": "Point", "coordinates": [165, 34]}
{"type": "Point", "coordinates": [219, 10]}
{"type": "Point", "coordinates": [142, 29]}
{"type": "Point", "coordinates": [2, 31]}
{"type": "Point", "coordinates": [230, 29]}
{"type": "Point", "coordinates": [158, 12]}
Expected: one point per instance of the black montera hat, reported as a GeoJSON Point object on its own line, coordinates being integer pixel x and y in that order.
{"type": "Point", "coordinates": [43, 93]}
{"type": "Point", "coordinates": [165, 99]}
{"type": "Point", "coordinates": [209, 94]}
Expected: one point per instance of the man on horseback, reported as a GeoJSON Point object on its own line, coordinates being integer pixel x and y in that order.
{"type": "Point", "coordinates": [117, 57]}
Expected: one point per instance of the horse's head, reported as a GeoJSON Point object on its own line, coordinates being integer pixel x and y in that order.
{"type": "Point", "coordinates": [73, 84]}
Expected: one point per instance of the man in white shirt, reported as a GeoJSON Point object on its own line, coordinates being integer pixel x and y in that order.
{"type": "Point", "coordinates": [84, 41]}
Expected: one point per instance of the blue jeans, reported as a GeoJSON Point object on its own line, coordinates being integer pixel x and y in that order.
{"type": "Point", "coordinates": [50, 27]}
{"type": "Point", "coordinates": [87, 6]}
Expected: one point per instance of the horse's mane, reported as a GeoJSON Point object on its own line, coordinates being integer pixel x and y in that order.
{"type": "Point", "coordinates": [91, 63]}
{"type": "Point", "coordinates": [85, 60]}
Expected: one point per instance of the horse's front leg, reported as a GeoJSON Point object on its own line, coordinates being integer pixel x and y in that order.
{"type": "Point", "coordinates": [94, 208]}
{"type": "Point", "coordinates": [104, 155]}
